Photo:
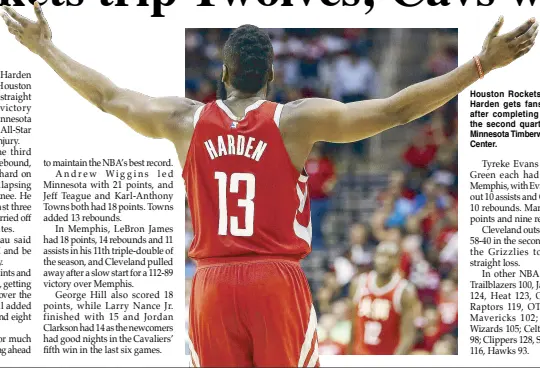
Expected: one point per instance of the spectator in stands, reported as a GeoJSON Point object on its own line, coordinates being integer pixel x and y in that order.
{"type": "Point", "coordinates": [396, 235]}
{"type": "Point", "coordinates": [439, 131]}
{"type": "Point", "coordinates": [445, 172]}
{"type": "Point", "coordinates": [447, 345]}
{"type": "Point", "coordinates": [427, 196]}
{"type": "Point", "coordinates": [341, 332]}
{"type": "Point", "coordinates": [396, 183]}
{"type": "Point", "coordinates": [355, 78]}
{"type": "Point", "coordinates": [443, 60]}
{"type": "Point", "coordinates": [206, 92]}
{"type": "Point", "coordinates": [322, 179]}
{"type": "Point", "coordinates": [447, 304]}
{"type": "Point", "coordinates": [361, 250]}
{"type": "Point", "coordinates": [429, 208]}
{"type": "Point", "coordinates": [327, 343]}
{"type": "Point", "coordinates": [420, 153]}
{"type": "Point", "coordinates": [413, 240]}
{"type": "Point", "coordinates": [309, 64]}
{"type": "Point", "coordinates": [378, 220]}
{"type": "Point", "coordinates": [289, 65]}
{"type": "Point", "coordinates": [345, 270]}
{"type": "Point", "coordinates": [426, 279]}
{"type": "Point", "coordinates": [445, 228]}
{"type": "Point", "coordinates": [448, 256]}
{"type": "Point", "coordinates": [382, 229]}
{"type": "Point", "coordinates": [328, 293]}
{"type": "Point", "coordinates": [431, 330]}
{"type": "Point", "coordinates": [393, 213]}
{"type": "Point", "coordinates": [401, 208]}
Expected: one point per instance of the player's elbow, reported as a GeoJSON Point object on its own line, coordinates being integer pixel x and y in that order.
{"type": "Point", "coordinates": [105, 99]}
{"type": "Point", "coordinates": [99, 101]}
{"type": "Point", "coordinates": [397, 112]}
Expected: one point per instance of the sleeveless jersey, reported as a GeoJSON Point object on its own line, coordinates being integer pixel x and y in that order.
{"type": "Point", "coordinates": [377, 315]}
{"type": "Point", "coordinates": [245, 195]}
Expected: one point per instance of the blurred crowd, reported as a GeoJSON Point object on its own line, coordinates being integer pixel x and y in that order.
{"type": "Point", "coordinates": [418, 211]}
{"type": "Point", "coordinates": [417, 207]}
{"type": "Point", "coordinates": [308, 62]}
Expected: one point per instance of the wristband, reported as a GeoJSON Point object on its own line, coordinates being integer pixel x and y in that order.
{"type": "Point", "coordinates": [479, 68]}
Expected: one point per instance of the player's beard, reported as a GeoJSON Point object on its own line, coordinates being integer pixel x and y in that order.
{"type": "Point", "coordinates": [268, 86]}
{"type": "Point", "coordinates": [221, 92]}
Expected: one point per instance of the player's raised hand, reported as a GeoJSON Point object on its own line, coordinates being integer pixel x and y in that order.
{"type": "Point", "coordinates": [35, 35]}
{"type": "Point", "coordinates": [501, 50]}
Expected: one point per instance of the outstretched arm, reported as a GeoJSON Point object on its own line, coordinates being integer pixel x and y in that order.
{"type": "Point", "coordinates": [152, 117]}
{"type": "Point", "coordinates": [333, 121]}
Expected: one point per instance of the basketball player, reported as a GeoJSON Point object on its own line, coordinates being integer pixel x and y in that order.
{"type": "Point", "coordinates": [385, 307]}
{"type": "Point", "coordinates": [242, 159]}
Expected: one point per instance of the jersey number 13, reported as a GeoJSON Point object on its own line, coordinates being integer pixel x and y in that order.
{"type": "Point", "coordinates": [231, 224]}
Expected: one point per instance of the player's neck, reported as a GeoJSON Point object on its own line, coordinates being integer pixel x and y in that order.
{"type": "Point", "coordinates": [235, 95]}
{"type": "Point", "coordinates": [382, 280]}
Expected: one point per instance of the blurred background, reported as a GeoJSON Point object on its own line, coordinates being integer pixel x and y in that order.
{"type": "Point", "coordinates": [400, 185]}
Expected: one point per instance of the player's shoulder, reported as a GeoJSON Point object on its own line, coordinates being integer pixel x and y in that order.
{"type": "Point", "coordinates": [300, 115]}
{"type": "Point", "coordinates": [184, 111]}
{"type": "Point", "coordinates": [303, 104]}
{"type": "Point", "coordinates": [292, 111]}
{"type": "Point", "coordinates": [297, 103]}
{"type": "Point", "coordinates": [309, 110]}
{"type": "Point", "coordinates": [184, 106]}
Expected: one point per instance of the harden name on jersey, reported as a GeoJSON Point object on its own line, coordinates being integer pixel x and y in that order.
{"type": "Point", "coordinates": [238, 145]}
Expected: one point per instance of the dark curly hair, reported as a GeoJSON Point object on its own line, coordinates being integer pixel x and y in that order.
{"type": "Point", "coordinates": [248, 56]}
